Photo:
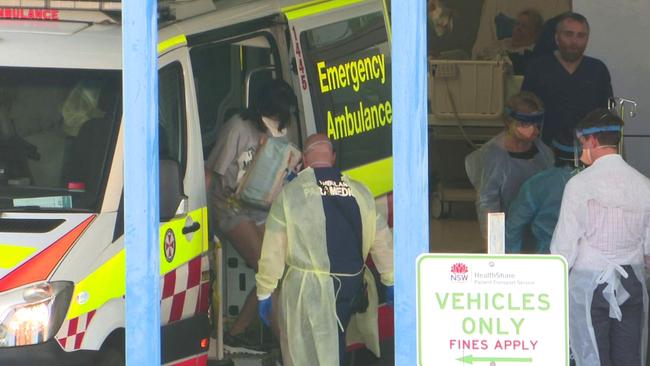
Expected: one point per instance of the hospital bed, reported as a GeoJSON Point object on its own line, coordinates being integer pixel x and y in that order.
{"type": "Point", "coordinates": [466, 99]}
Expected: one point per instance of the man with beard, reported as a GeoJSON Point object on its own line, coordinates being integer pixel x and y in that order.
{"type": "Point", "coordinates": [569, 83]}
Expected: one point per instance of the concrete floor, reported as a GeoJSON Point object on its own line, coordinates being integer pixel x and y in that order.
{"type": "Point", "coordinates": [457, 234]}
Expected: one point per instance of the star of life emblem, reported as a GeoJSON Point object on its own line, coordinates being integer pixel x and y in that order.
{"type": "Point", "coordinates": [170, 245]}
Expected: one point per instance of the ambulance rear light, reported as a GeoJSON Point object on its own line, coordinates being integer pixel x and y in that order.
{"type": "Point", "coordinates": [33, 314]}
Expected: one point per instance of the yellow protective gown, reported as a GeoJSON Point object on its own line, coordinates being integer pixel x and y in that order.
{"type": "Point", "coordinates": [295, 245]}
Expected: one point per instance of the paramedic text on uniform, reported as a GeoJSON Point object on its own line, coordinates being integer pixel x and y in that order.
{"type": "Point", "coordinates": [503, 164]}
{"type": "Point", "coordinates": [321, 228]}
{"type": "Point", "coordinates": [232, 155]}
{"type": "Point", "coordinates": [603, 233]}
{"type": "Point", "coordinates": [537, 206]}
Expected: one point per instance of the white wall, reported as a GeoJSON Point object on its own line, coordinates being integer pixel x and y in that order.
{"type": "Point", "coordinates": [620, 36]}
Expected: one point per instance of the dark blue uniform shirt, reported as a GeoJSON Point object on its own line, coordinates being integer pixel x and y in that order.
{"type": "Point", "coordinates": [342, 222]}
{"type": "Point", "coordinates": [344, 243]}
{"type": "Point", "coordinates": [567, 97]}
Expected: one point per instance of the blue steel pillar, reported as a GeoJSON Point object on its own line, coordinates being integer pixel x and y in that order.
{"type": "Point", "coordinates": [140, 100]}
{"type": "Point", "coordinates": [411, 222]}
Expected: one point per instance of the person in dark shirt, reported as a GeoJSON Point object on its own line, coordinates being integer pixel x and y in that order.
{"type": "Point", "coordinates": [569, 83]}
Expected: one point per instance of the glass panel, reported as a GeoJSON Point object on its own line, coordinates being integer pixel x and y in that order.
{"type": "Point", "coordinates": [171, 114]}
{"type": "Point", "coordinates": [57, 136]}
{"type": "Point", "coordinates": [220, 71]}
{"type": "Point", "coordinates": [348, 65]}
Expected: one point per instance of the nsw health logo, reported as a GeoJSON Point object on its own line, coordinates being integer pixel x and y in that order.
{"type": "Point", "coordinates": [459, 272]}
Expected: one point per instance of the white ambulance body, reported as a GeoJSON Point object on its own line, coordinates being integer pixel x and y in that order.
{"type": "Point", "coordinates": [62, 262]}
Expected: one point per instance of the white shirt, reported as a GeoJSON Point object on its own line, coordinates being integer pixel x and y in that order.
{"type": "Point", "coordinates": [605, 216]}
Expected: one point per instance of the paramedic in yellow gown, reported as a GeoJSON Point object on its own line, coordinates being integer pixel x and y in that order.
{"type": "Point", "coordinates": [319, 233]}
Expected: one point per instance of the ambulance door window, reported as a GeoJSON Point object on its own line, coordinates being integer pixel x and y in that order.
{"type": "Point", "coordinates": [348, 65]}
{"type": "Point", "coordinates": [220, 71]}
{"type": "Point", "coordinates": [171, 115]}
{"type": "Point", "coordinates": [212, 68]}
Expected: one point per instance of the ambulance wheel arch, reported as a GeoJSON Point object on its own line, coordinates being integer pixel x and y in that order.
{"type": "Point", "coordinates": [342, 53]}
{"type": "Point", "coordinates": [107, 320]}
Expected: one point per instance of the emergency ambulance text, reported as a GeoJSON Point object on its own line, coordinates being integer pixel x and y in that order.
{"type": "Point", "coordinates": [364, 119]}
{"type": "Point", "coordinates": [352, 73]}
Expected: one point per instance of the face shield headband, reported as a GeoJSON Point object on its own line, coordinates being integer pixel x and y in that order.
{"type": "Point", "coordinates": [562, 147]}
{"type": "Point", "coordinates": [593, 130]}
{"type": "Point", "coordinates": [572, 150]}
{"type": "Point", "coordinates": [536, 118]}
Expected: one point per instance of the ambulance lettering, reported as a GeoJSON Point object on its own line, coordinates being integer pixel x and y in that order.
{"type": "Point", "coordinates": [301, 64]}
{"type": "Point", "coordinates": [29, 14]}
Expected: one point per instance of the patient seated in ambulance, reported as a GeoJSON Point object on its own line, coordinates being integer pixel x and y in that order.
{"type": "Point", "coordinates": [242, 224]}
{"type": "Point", "coordinates": [517, 49]}
{"type": "Point", "coordinates": [14, 150]}
{"type": "Point", "coordinates": [85, 126]}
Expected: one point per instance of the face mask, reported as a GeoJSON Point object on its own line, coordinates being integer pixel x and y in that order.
{"type": "Point", "coordinates": [527, 132]}
{"type": "Point", "coordinates": [272, 125]}
{"type": "Point", "coordinates": [585, 158]}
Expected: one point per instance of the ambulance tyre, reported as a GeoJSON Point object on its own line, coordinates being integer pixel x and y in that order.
{"type": "Point", "coordinates": [112, 351]}
{"type": "Point", "coordinates": [112, 357]}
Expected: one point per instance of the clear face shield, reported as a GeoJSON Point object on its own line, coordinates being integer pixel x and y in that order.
{"type": "Point", "coordinates": [570, 153]}
{"type": "Point", "coordinates": [81, 106]}
{"type": "Point", "coordinates": [528, 126]}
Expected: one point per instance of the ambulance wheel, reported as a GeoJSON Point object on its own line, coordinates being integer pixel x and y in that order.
{"type": "Point", "coordinates": [439, 209]}
{"type": "Point", "coordinates": [111, 357]}
{"type": "Point", "coordinates": [112, 351]}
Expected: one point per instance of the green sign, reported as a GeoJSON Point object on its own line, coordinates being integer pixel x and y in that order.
{"type": "Point", "coordinates": [492, 310]}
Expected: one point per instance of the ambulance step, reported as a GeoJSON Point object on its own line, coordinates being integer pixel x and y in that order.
{"type": "Point", "coordinates": [268, 359]}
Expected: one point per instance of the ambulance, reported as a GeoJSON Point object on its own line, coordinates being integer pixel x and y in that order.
{"type": "Point", "coordinates": [62, 258]}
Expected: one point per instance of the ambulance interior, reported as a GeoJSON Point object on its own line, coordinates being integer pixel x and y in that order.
{"type": "Point", "coordinates": [465, 104]}
{"type": "Point", "coordinates": [57, 131]}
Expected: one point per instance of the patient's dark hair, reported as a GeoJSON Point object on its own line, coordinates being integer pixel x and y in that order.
{"type": "Point", "coordinates": [275, 99]}
{"type": "Point", "coordinates": [573, 16]}
{"type": "Point", "coordinates": [599, 118]}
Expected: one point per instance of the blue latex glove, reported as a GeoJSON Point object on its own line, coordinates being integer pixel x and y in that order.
{"type": "Point", "coordinates": [264, 309]}
{"type": "Point", "coordinates": [390, 295]}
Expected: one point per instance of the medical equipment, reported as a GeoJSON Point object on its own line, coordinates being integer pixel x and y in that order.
{"type": "Point", "coordinates": [466, 110]}
{"type": "Point", "coordinates": [617, 105]}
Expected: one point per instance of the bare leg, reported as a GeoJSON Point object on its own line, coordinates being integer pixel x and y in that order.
{"type": "Point", "coordinates": [247, 313]}
{"type": "Point", "coordinates": [246, 237]}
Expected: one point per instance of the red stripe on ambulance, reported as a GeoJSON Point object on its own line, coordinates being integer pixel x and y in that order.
{"type": "Point", "coordinates": [39, 267]}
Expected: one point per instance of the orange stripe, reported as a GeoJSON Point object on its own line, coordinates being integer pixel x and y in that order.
{"type": "Point", "coordinates": [41, 266]}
